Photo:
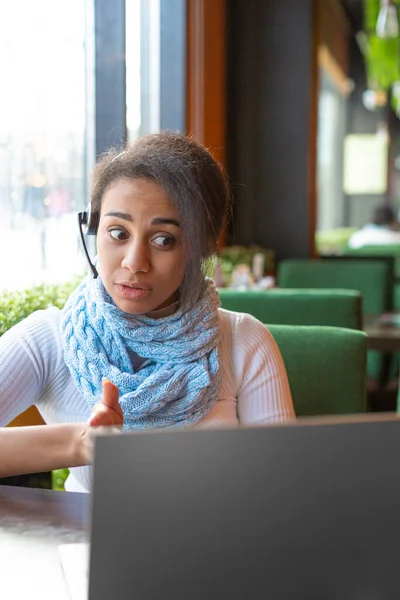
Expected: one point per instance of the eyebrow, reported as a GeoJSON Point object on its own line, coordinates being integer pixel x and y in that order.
{"type": "Point", "coordinates": [161, 221]}
{"type": "Point", "coordinates": [156, 221]}
{"type": "Point", "coordinates": [120, 215]}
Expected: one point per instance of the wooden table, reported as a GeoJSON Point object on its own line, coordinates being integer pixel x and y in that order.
{"type": "Point", "coordinates": [33, 523]}
{"type": "Point", "coordinates": [383, 337]}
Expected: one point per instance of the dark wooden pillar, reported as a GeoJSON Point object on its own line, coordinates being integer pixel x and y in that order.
{"type": "Point", "coordinates": [272, 91]}
{"type": "Point", "coordinates": [205, 74]}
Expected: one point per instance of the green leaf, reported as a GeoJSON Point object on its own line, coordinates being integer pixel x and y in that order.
{"type": "Point", "coordinates": [382, 55]}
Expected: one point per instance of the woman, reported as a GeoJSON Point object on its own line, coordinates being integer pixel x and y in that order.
{"type": "Point", "coordinates": [150, 322]}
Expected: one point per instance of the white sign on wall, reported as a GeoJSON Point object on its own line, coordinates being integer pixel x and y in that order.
{"type": "Point", "coordinates": [365, 168]}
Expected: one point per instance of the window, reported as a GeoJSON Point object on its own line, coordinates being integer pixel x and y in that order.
{"type": "Point", "coordinates": [142, 67]}
{"type": "Point", "coordinates": [331, 131]}
{"type": "Point", "coordinates": [78, 76]}
{"type": "Point", "coordinates": [43, 179]}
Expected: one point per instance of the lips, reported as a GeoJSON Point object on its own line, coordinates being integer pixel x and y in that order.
{"type": "Point", "coordinates": [131, 290]}
{"type": "Point", "coordinates": [133, 284]}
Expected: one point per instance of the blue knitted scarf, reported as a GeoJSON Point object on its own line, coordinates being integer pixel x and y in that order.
{"type": "Point", "coordinates": [179, 383]}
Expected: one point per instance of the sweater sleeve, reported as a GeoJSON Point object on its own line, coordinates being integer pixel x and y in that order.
{"type": "Point", "coordinates": [263, 389]}
{"type": "Point", "coordinates": [29, 357]}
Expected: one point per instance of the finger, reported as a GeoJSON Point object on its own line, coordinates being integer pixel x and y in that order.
{"type": "Point", "coordinates": [110, 400]}
{"type": "Point", "coordinates": [110, 395]}
{"type": "Point", "coordinates": [108, 411]}
{"type": "Point", "coordinates": [105, 418]}
{"type": "Point", "coordinates": [105, 421]}
{"type": "Point", "coordinates": [101, 415]}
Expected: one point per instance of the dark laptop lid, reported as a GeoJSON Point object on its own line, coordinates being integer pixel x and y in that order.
{"type": "Point", "coordinates": [299, 511]}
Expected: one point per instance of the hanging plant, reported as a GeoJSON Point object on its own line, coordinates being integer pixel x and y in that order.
{"type": "Point", "coordinates": [381, 55]}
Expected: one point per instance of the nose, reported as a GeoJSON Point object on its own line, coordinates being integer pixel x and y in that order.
{"type": "Point", "coordinates": [136, 258]}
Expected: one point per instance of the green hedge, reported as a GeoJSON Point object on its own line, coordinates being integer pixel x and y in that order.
{"type": "Point", "coordinates": [17, 304]}
{"type": "Point", "coordinates": [58, 478]}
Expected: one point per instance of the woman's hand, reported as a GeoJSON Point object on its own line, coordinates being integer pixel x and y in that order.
{"type": "Point", "coordinates": [48, 447]}
{"type": "Point", "coordinates": [108, 411]}
{"type": "Point", "coordinates": [107, 417]}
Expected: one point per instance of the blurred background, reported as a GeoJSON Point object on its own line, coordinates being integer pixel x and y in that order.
{"type": "Point", "coordinates": [298, 99]}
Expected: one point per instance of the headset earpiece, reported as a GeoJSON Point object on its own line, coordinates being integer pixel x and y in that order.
{"type": "Point", "coordinates": [88, 224]}
{"type": "Point", "coordinates": [89, 220]}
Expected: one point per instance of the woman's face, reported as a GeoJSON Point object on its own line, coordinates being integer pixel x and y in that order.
{"type": "Point", "coordinates": [140, 246]}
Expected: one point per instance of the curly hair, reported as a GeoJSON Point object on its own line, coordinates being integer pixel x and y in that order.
{"type": "Point", "coordinates": [193, 180]}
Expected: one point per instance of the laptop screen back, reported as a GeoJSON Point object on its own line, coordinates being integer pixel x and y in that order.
{"type": "Point", "coordinates": [286, 512]}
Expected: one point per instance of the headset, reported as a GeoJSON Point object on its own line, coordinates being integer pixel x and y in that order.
{"type": "Point", "coordinates": [88, 221]}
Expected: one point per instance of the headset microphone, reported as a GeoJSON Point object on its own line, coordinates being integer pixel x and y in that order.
{"type": "Point", "coordinates": [89, 222]}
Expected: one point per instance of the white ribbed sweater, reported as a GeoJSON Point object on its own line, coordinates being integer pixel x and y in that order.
{"type": "Point", "coordinates": [255, 388]}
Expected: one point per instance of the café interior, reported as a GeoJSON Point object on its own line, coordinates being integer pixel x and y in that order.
{"type": "Point", "coordinates": [299, 101]}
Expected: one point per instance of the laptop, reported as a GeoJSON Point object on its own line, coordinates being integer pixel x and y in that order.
{"type": "Point", "coordinates": [303, 511]}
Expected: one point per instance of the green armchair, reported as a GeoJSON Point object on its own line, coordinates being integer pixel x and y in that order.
{"type": "Point", "coordinates": [326, 367]}
{"type": "Point", "coordinates": [372, 279]}
{"type": "Point", "coordinates": [335, 308]}
{"type": "Point", "coordinates": [382, 251]}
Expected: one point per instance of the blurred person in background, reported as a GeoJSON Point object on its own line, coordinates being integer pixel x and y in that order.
{"type": "Point", "coordinates": [383, 229]}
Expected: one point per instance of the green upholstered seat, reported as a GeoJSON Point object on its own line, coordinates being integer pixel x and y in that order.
{"type": "Point", "coordinates": [375, 250]}
{"type": "Point", "coordinates": [383, 250]}
{"type": "Point", "coordinates": [372, 278]}
{"type": "Point", "coordinates": [336, 308]}
{"type": "Point", "coordinates": [326, 367]}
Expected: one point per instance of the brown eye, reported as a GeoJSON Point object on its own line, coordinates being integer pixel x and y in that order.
{"type": "Point", "coordinates": [164, 241]}
{"type": "Point", "coordinates": [118, 234]}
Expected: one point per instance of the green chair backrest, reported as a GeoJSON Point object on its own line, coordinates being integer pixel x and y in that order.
{"type": "Point", "coordinates": [384, 251]}
{"type": "Point", "coordinates": [336, 308]}
{"type": "Point", "coordinates": [372, 278]}
{"type": "Point", "coordinates": [326, 367]}
{"type": "Point", "coordinates": [374, 250]}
